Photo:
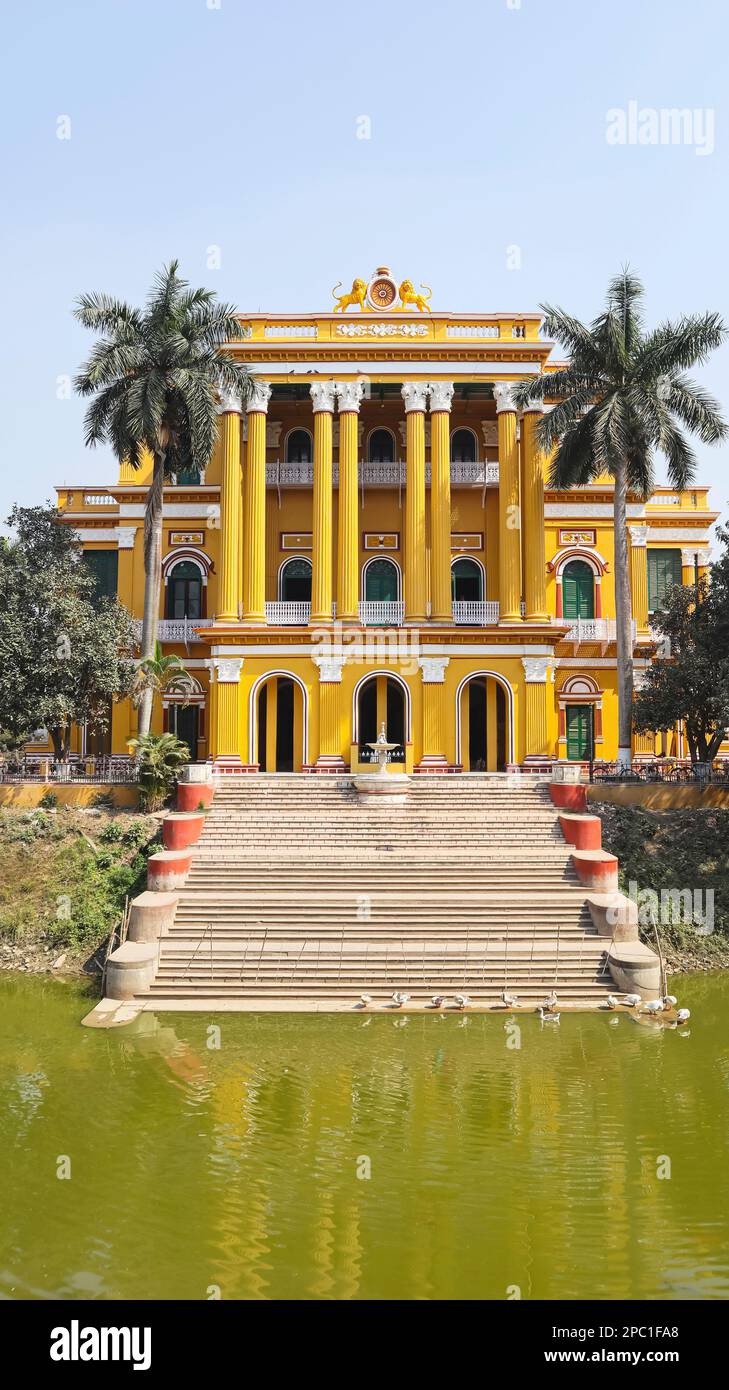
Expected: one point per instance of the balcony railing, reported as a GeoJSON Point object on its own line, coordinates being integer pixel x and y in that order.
{"type": "Point", "coordinates": [381, 614]}
{"type": "Point", "coordinates": [595, 630]}
{"type": "Point", "coordinates": [476, 614]}
{"type": "Point", "coordinates": [177, 629]}
{"type": "Point", "coordinates": [288, 614]}
{"type": "Point", "coordinates": [381, 474]}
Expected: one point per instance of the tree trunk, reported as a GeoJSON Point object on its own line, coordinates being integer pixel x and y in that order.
{"type": "Point", "coordinates": [623, 616]}
{"type": "Point", "coordinates": [152, 581]}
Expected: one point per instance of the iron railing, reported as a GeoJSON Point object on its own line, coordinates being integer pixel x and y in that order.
{"type": "Point", "coordinates": [93, 770]}
{"type": "Point", "coordinates": [670, 772]}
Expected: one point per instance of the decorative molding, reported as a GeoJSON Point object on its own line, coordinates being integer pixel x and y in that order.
{"type": "Point", "coordinates": [186, 538]}
{"type": "Point", "coordinates": [273, 433]}
{"type": "Point", "coordinates": [689, 552]}
{"type": "Point", "coordinates": [572, 536]}
{"type": "Point", "coordinates": [536, 669]}
{"type": "Point", "coordinates": [638, 535]}
{"type": "Point", "coordinates": [228, 669]}
{"type": "Point", "coordinates": [323, 396]}
{"type": "Point", "coordinates": [349, 394]}
{"type": "Point", "coordinates": [466, 540]}
{"type": "Point", "coordinates": [384, 540]}
{"type": "Point", "coordinates": [382, 330]}
{"type": "Point", "coordinates": [330, 669]}
{"type": "Point", "coordinates": [504, 397]}
{"type": "Point", "coordinates": [490, 432]}
{"type": "Point", "coordinates": [433, 669]}
{"type": "Point", "coordinates": [125, 537]}
{"type": "Point", "coordinates": [296, 540]}
{"type": "Point", "coordinates": [415, 395]}
{"type": "Point", "coordinates": [259, 397]}
{"type": "Point", "coordinates": [441, 395]}
{"type": "Point", "coordinates": [683, 534]}
{"type": "Point", "coordinates": [229, 402]}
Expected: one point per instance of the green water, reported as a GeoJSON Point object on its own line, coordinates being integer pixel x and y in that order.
{"type": "Point", "coordinates": [491, 1166]}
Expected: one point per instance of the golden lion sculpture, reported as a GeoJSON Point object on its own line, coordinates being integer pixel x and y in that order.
{"type": "Point", "coordinates": [356, 295]}
{"type": "Point", "coordinates": [408, 296]}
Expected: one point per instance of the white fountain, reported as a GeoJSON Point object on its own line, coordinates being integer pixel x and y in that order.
{"type": "Point", "coordinates": [383, 782]}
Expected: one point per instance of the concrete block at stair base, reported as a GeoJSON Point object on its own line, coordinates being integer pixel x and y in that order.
{"type": "Point", "coordinates": [130, 969]}
{"type": "Point", "coordinates": [568, 797]}
{"type": "Point", "coordinates": [614, 915]}
{"type": "Point", "coordinates": [584, 832]}
{"type": "Point", "coordinates": [182, 828]}
{"type": "Point", "coordinates": [151, 915]}
{"type": "Point", "coordinates": [596, 869]}
{"type": "Point", "coordinates": [635, 969]}
{"type": "Point", "coordinates": [192, 795]}
{"type": "Point", "coordinates": [197, 773]}
{"type": "Point", "coordinates": [168, 869]}
{"type": "Point", "coordinates": [567, 773]}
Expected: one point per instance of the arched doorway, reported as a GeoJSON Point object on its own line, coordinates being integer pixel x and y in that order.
{"type": "Point", "coordinates": [466, 581]}
{"type": "Point", "coordinates": [484, 723]}
{"type": "Point", "coordinates": [381, 699]}
{"type": "Point", "coordinates": [295, 580]}
{"type": "Point", "coordinates": [299, 447]}
{"type": "Point", "coordinates": [464, 448]}
{"type": "Point", "coordinates": [278, 714]}
{"type": "Point", "coordinates": [381, 581]}
{"type": "Point", "coordinates": [381, 446]}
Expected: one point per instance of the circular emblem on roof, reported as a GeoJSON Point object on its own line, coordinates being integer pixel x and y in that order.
{"type": "Point", "coordinates": [382, 290]}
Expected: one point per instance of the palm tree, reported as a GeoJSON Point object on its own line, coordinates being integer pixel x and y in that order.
{"type": "Point", "coordinates": [161, 674]}
{"type": "Point", "coordinates": [623, 395]}
{"type": "Point", "coordinates": [156, 375]}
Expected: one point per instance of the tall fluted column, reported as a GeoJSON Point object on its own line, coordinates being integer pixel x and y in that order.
{"type": "Point", "coordinates": [230, 538]}
{"type": "Point", "coordinates": [225, 692]}
{"type": "Point", "coordinates": [349, 395]}
{"type": "Point", "coordinates": [322, 396]}
{"type": "Point", "coordinates": [254, 520]}
{"type": "Point", "coordinates": [509, 510]}
{"type": "Point", "coordinates": [441, 396]}
{"type": "Point", "coordinates": [536, 672]}
{"type": "Point", "coordinates": [433, 669]}
{"type": "Point", "coordinates": [330, 712]}
{"type": "Point", "coordinates": [535, 583]}
{"type": "Point", "coordinates": [639, 576]}
{"type": "Point", "coordinates": [414, 394]}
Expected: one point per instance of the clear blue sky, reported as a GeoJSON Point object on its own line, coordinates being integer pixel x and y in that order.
{"type": "Point", "coordinates": [236, 126]}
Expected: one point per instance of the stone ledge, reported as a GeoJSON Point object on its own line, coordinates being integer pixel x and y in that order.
{"type": "Point", "coordinates": [635, 969]}
{"type": "Point", "coordinates": [596, 869]}
{"type": "Point", "coordinates": [130, 969]}
{"type": "Point", "coordinates": [151, 915]}
{"type": "Point", "coordinates": [582, 831]}
{"type": "Point", "coordinates": [614, 915]}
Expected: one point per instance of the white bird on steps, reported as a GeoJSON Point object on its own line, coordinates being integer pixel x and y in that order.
{"type": "Point", "coordinates": [683, 1015]}
{"type": "Point", "coordinates": [669, 1001]}
{"type": "Point", "coordinates": [365, 999]}
{"type": "Point", "coordinates": [462, 1001]}
{"type": "Point", "coordinates": [510, 1000]}
{"type": "Point", "coordinates": [654, 1006]}
{"type": "Point", "coordinates": [437, 1000]}
{"type": "Point", "coordinates": [399, 999]}
{"type": "Point", "coordinates": [631, 1001]}
{"type": "Point", "coordinates": [550, 1001]}
{"type": "Point", "coordinates": [548, 1016]}
{"type": "Point", "coordinates": [611, 1002]}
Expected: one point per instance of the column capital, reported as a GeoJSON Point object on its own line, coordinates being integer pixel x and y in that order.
{"type": "Point", "coordinates": [228, 669]}
{"type": "Point", "coordinates": [441, 395]}
{"type": "Point", "coordinates": [638, 535]}
{"type": "Point", "coordinates": [433, 669]}
{"type": "Point", "coordinates": [689, 552]}
{"type": "Point", "coordinates": [349, 394]}
{"type": "Point", "coordinates": [330, 669]}
{"type": "Point", "coordinates": [322, 396]}
{"type": "Point", "coordinates": [504, 397]}
{"type": "Point", "coordinates": [229, 403]}
{"type": "Point", "coordinates": [536, 669]}
{"type": "Point", "coordinates": [415, 395]}
{"type": "Point", "coordinates": [259, 397]}
{"type": "Point", "coordinates": [535, 408]}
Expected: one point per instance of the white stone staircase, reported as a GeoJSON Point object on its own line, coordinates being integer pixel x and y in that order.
{"type": "Point", "coordinates": [304, 894]}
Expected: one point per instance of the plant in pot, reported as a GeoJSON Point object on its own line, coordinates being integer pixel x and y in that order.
{"type": "Point", "coordinates": [159, 757]}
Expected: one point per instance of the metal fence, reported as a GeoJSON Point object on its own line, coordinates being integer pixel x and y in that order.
{"type": "Point", "coordinates": [98, 770]}
{"type": "Point", "coordinates": [675, 773]}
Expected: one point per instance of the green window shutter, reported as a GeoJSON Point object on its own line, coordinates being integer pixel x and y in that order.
{"type": "Point", "coordinates": [577, 717]}
{"type": "Point", "coordinates": [104, 566]}
{"type": "Point", "coordinates": [381, 582]}
{"type": "Point", "coordinates": [664, 569]}
{"type": "Point", "coordinates": [578, 590]}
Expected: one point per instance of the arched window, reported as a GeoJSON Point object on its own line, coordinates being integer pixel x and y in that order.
{"type": "Point", "coordinates": [463, 446]}
{"type": "Point", "coordinates": [381, 582]}
{"type": "Point", "coordinates": [184, 591]}
{"type": "Point", "coordinates": [578, 590]}
{"type": "Point", "coordinates": [466, 581]}
{"type": "Point", "coordinates": [381, 447]}
{"type": "Point", "coordinates": [296, 581]}
{"type": "Point", "coordinates": [299, 447]}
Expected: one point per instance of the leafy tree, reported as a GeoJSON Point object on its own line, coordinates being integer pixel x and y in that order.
{"type": "Point", "coordinates": [156, 375]}
{"type": "Point", "coordinates": [161, 756]}
{"type": "Point", "coordinates": [690, 682]}
{"type": "Point", "coordinates": [623, 395]}
{"type": "Point", "coordinates": [65, 654]}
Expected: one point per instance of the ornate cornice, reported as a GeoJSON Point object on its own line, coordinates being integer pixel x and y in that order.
{"type": "Point", "coordinates": [415, 395]}
{"type": "Point", "coordinates": [259, 397]}
{"type": "Point", "coordinates": [323, 394]}
{"type": "Point", "coordinates": [441, 395]}
{"type": "Point", "coordinates": [349, 394]}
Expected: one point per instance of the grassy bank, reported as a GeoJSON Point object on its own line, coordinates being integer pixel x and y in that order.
{"type": "Point", "coordinates": [671, 851]}
{"type": "Point", "coordinates": [64, 876]}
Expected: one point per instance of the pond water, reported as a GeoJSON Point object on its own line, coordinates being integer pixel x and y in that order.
{"type": "Point", "coordinates": [243, 1168]}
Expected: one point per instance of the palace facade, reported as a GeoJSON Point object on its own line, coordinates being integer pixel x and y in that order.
{"type": "Point", "coordinates": [374, 543]}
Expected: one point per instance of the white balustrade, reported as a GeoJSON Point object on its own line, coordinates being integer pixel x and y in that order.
{"type": "Point", "coordinates": [477, 474]}
{"type": "Point", "coordinates": [381, 614]}
{"type": "Point", "coordinates": [596, 630]}
{"type": "Point", "coordinates": [177, 629]}
{"type": "Point", "coordinates": [476, 613]}
{"type": "Point", "coordinates": [288, 614]}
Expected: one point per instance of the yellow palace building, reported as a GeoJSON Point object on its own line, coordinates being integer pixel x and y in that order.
{"type": "Point", "coordinates": [373, 543]}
